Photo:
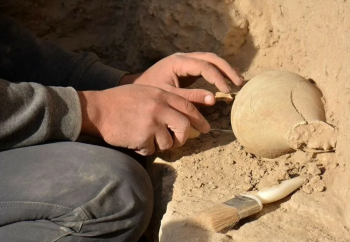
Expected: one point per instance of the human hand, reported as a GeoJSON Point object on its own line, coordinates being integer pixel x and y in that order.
{"type": "Point", "coordinates": [139, 117]}
{"type": "Point", "coordinates": [183, 69]}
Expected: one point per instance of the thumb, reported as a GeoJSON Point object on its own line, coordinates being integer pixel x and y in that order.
{"type": "Point", "coordinates": [197, 96]}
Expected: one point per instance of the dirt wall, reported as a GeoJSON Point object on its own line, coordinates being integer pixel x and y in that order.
{"type": "Point", "coordinates": [307, 37]}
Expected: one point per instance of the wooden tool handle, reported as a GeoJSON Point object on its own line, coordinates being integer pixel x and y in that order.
{"type": "Point", "coordinates": [194, 133]}
{"type": "Point", "coordinates": [219, 97]}
{"type": "Point", "coordinates": [224, 97]}
{"type": "Point", "coordinates": [277, 192]}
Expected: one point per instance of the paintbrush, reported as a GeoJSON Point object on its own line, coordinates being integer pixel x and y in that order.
{"type": "Point", "coordinates": [223, 217]}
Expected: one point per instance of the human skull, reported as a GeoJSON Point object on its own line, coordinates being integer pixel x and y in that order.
{"type": "Point", "coordinates": [278, 112]}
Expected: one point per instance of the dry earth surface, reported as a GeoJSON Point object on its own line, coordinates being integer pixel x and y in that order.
{"type": "Point", "coordinates": [311, 38]}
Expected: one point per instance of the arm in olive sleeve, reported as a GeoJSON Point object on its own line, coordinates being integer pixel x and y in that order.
{"type": "Point", "coordinates": [25, 58]}
{"type": "Point", "coordinates": [31, 113]}
{"type": "Point", "coordinates": [38, 83]}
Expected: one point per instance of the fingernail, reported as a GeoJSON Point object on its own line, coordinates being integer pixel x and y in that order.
{"type": "Point", "coordinates": [209, 99]}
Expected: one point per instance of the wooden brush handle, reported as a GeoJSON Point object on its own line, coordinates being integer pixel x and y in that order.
{"type": "Point", "coordinates": [194, 133]}
{"type": "Point", "coordinates": [224, 97]}
{"type": "Point", "coordinates": [277, 192]}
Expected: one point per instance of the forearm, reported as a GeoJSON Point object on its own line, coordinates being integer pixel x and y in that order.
{"type": "Point", "coordinates": [31, 114]}
{"type": "Point", "coordinates": [24, 58]}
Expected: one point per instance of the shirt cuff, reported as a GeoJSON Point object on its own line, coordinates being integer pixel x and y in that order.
{"type": "Point", "coordinates": [66, 118]}
{"type": "Point", "coordinates": [98, 76]}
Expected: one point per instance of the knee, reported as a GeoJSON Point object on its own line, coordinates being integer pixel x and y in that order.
{"type": "Point", "coordinates": [120, 200]}
{"type": "Point", "coordinates": [129, 187]}
{"type": "Point", "coordinates": [131, 195]}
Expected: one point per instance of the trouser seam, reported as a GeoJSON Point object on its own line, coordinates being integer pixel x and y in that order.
{"type": "Point", "coordinates": [82, 218]}
{"type": "Point", "coordinates": [4, 206]}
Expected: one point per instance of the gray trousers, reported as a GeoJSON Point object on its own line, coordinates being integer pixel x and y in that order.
{"type": "Point", "coordinates": [69, 191]}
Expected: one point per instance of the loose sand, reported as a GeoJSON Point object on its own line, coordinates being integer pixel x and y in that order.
{"type": "Point", "coordinates": [311, 38]}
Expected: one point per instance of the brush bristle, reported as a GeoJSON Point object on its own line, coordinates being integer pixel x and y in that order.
{"type": "Point", "coordinates": [219, 218]}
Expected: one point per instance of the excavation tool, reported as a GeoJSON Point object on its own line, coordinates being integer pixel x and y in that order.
{"type": "Point", "coordinates": [223, 217]}
{"type": "Point", "coordinates": [219, 97]}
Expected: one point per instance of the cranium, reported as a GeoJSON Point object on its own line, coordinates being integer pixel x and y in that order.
{"type": "Point", "coordinates": [278, 112]}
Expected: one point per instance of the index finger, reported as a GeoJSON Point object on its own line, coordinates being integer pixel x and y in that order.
{"type": "Point", "coordinates": [188, 66]}
{"type": "Point", "coordinates": [185, 107]}
{"type": "Point", "coordinates": [223, 66]}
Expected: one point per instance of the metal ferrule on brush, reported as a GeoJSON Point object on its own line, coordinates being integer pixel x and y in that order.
{"type": "Point", "coordinates": [246, 205]}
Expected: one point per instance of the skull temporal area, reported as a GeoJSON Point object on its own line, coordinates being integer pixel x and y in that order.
{"type": "Point", "coordinates": [278, 112]}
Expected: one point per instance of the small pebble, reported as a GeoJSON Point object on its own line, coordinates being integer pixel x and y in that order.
{"type": "Point", "coordinates": [212, 187]}
{"type": "Point", "coordinates": [249, 155]}
{"type": "Point", "coordinates": [315, 179]}
{"type": "Point", "coordinates": [199, 185]}
{"type": "Point", "coordinates": [215, 134]}
{"type": "Point", "coordinates": [308, 189]}
{"type": "Point", "coordinates": [333, 165]}
{"type": "Point", "coordinates": [262, 172]}
{"type": "Point", "coordinates": [319, 186]}
{"type": "Point", "coordinates": [313, 169]}
{"type": "Point", "coordinates": [325, 158]}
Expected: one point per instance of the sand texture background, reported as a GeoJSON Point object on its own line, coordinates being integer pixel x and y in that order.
{"type": "Point", "coordinates": [311, 38]}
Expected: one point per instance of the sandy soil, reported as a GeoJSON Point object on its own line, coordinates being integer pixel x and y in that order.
{"type": "Point", "coordinates": [310, 38]}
